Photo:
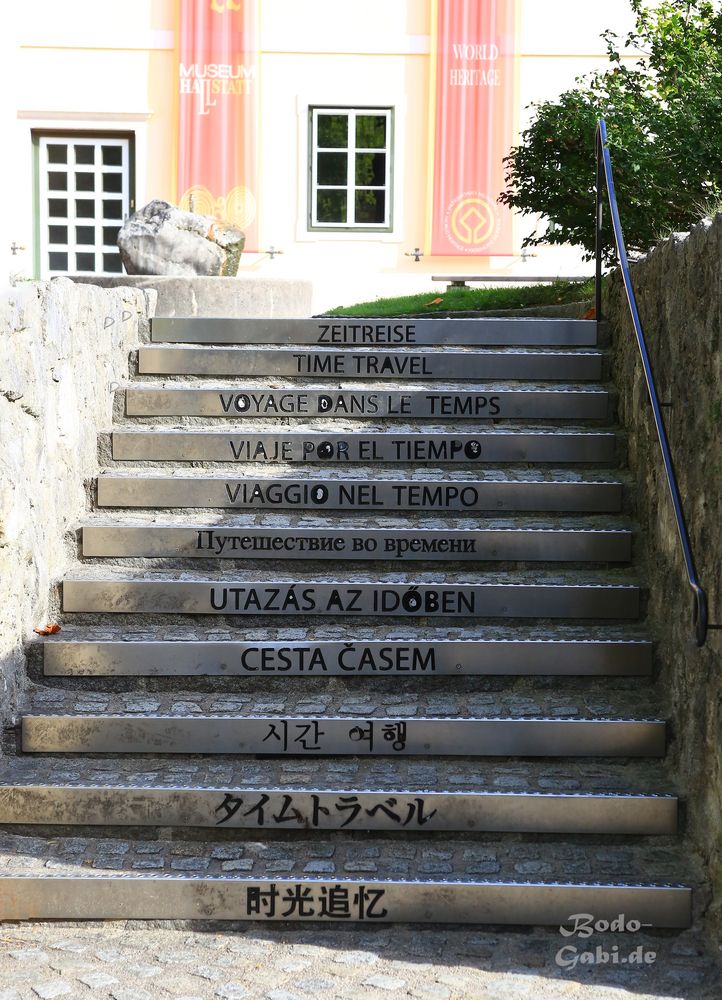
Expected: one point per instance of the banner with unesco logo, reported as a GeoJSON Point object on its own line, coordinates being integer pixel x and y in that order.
{"type": "Point", "coordinates": [217, 110]}
{"type": "Point", "coordinates": [474, 103]}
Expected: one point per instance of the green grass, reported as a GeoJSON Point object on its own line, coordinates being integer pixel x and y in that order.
{"type": "Point", "coordinates": [472, 299]}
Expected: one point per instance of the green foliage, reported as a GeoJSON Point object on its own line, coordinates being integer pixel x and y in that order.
{"type": "Point", "coordinates": [663, 115]}
{"type": "Point", "coordinates": [472, 300]}
{"type": "Point", "coordinates": [333, 131]}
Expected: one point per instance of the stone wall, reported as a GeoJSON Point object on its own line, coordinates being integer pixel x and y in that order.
{"type": "Point", "coordinates": [246, 295]}
{"type": "Point", "coordinates": [679, 290]}
{"type": "Point", "coordinates": [64, 349]}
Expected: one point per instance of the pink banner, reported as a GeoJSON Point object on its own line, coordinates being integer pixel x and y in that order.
{"type": "Point", "coordinates": [475, 107]}
{"type": "Point", "coordinates": [217, 126]}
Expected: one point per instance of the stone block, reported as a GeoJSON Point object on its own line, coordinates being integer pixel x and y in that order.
{"type": "Point", "coordinates": [243, 296]}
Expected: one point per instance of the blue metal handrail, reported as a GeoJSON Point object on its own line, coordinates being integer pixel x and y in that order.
{"type": "Point", "coordinates": [606, 177]}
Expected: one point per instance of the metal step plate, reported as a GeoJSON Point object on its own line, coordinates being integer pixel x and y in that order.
{"type": "Point", "coordinates": [365, 332]}
{"type": "Point", "coordinates": [361, 364]}
{"type": "Point", "coordinates": [313, 736]}
{"type": "Point", "coordinates": [232, 402]}
{"type": "Point", "coordinates": [359, 494]}
{"type": "Point", "coordinates": [343, 809]}
{"type": "Point", "coordinates": [369, 659]}
{"type": "Point", "coordinates": [508, 544]}
{"type": "Point", "coordinates": [319, 449]}
{"type": "Point", "coordinates": [303, 598]}
{"type": "Point", "coordinates": [183, 897]}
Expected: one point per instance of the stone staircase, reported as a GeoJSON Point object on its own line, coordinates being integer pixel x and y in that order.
{"type": "Point", "coordinates": [354, 635]}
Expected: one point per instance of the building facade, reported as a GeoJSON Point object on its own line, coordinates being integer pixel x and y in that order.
{"type": "Point", "coordinates": [347, 127]}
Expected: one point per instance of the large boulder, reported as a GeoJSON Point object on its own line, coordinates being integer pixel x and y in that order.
{"type": "Point", "coordinates": [162, 239]}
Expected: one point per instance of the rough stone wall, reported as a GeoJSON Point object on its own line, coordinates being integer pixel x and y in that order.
{"type": "Point", "coordinates": [64, 348]}
{"type": "Point", "coordinates": [679, 291]}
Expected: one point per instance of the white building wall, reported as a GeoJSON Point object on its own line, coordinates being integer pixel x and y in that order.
{"type": "Point", "coordinates": [83, 65]}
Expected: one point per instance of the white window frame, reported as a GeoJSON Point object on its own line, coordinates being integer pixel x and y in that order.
{"type": "Point", "coordinates": [351, 113]}
{"type": "Point", "coordinates": [71, 220]}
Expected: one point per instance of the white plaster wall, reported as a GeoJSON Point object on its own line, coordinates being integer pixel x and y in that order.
{"type": "Point", "coordinates": [111, 66]}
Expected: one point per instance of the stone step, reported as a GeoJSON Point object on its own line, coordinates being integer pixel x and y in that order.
{"type": "Point", "coordinates": [400, 366]}
{"type": "Point", "coordinates": [194, 897]}
{"type": "Point", "coordinates": [244, 401]}
{"type": "Point", "coordinates": [540, 599]}
{"type": "Point", "coordinates": [612, 777]}
{"type": "Point", "coordinates": [639, 877]}
{"type": "Point", "coordinates": [352, 332]}
{"type": "Point", "coordinates": [192, 629]}
{"type": "Point", "coordinates": [360, 521]}
{"type": "Point", "coordinates": [350, 735]}
{"type": "Point", "coordinates": [261, 694]}
{"type": "Point", "coordinates": [353, 658]}
{"type": "Point", "coordinates": [388, 448]}
{"type": "Point", "coordinates": [461, 495]}
{"type": "Point", "coordinates": [224, 542]}
{"type": "Point", "coordinates": [290, 808]}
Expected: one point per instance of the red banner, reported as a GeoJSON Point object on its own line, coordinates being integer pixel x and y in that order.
{"type": "Point", "coordinates": [217, 126]}
{"type": "Point", "coordinates": [475, 103]}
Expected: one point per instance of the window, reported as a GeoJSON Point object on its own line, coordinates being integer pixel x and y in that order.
{"type": "Point", "coordinates": [84, 194]}
{"type": "Point", "coordinates": [350, 168]}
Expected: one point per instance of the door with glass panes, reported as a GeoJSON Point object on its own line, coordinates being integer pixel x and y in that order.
{"type": "Point", "coordinates": [84, 194]}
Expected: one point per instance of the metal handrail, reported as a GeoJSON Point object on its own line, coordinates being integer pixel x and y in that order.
{"type": "Point", "coordinates": [605, 176]}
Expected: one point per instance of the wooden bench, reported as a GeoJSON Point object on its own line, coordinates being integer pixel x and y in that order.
{"type": "Point", "coordinates": [460, 280]}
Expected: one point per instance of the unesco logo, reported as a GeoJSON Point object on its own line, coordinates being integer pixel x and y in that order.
{"type": "Point", "coordinates": [472, 222]}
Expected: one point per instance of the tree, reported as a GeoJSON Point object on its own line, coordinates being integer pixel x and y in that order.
{"type": "Point", "coordinates": [663, 116]}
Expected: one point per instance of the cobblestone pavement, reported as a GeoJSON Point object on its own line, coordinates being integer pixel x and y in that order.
{"type": "Point", "coordinates": [134, 961]}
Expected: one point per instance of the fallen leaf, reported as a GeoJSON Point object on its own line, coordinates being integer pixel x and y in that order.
{"type": "Point", "coordinates": [590, 314]}
{"type": "Point", "coordinates": [48, 630]}
{"type": "Point", "coordinates": [435, 302]}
